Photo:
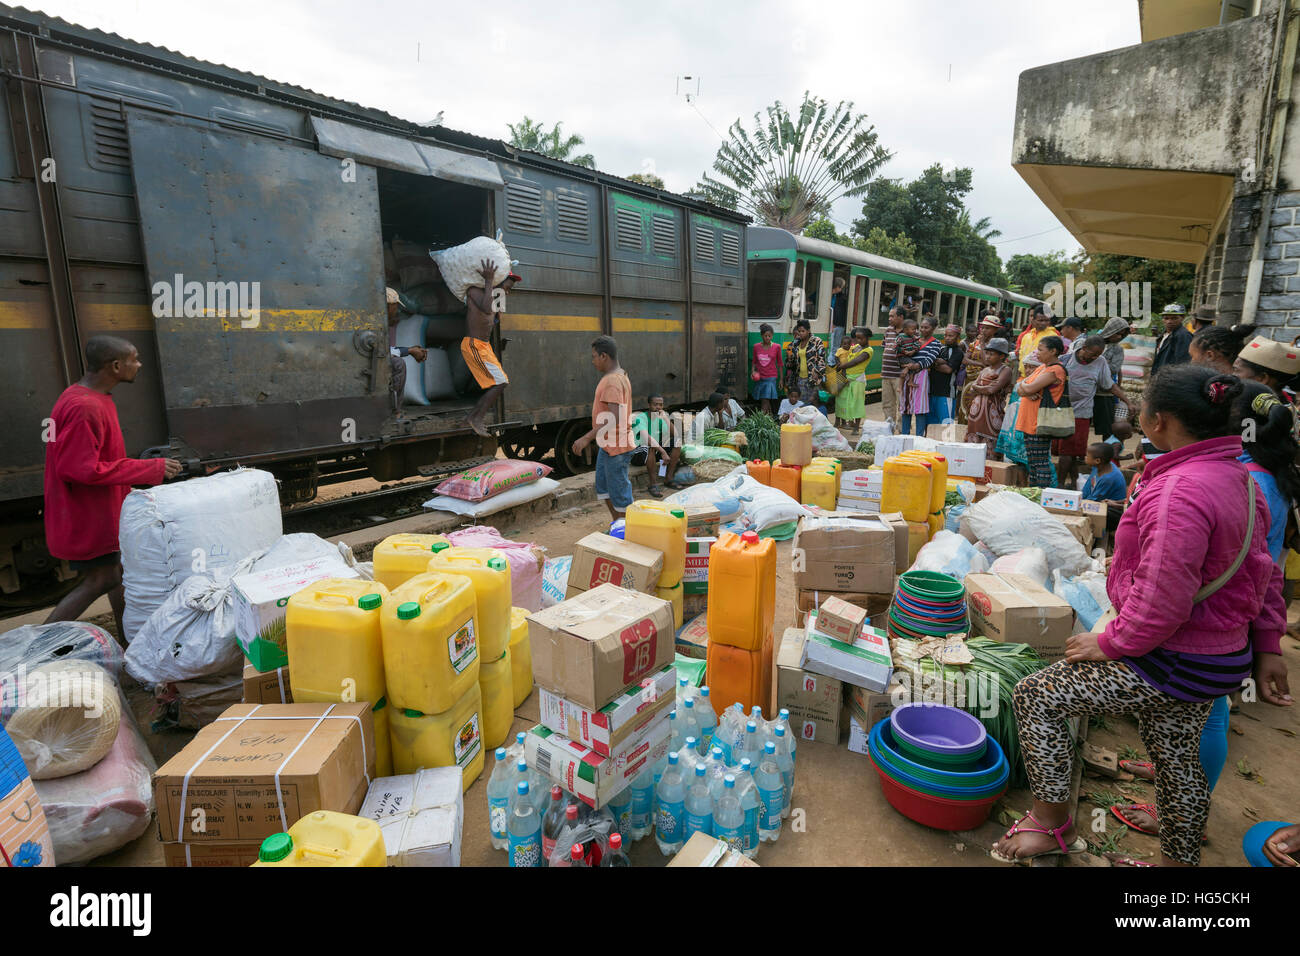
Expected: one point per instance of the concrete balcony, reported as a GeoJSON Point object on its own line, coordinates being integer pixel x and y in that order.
{"type": "Point", "coordinates": [1139, 151]}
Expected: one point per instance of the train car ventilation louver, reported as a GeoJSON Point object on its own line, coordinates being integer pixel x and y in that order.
{"type": "Point", "coordinates": [665, 237]}
{"type": "Point", "coordinates": [572, 223]}
{"type": "Point", "coordinates": [730, 248]}
{"type": "Point", "coordinates": [628, 222]}
{"type": "Point", "coordinates": [523, 208]}
{"type": "Point", "coordinates": [111, 145]}
{"type": "Point", "coordinates": [703, 245]}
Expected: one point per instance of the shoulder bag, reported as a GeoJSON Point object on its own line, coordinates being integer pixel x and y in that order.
{"type": "Point", "coordinates": [1055, 419]}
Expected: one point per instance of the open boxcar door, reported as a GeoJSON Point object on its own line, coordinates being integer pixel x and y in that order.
{"type": "Point", "coordinates": [286, 243]}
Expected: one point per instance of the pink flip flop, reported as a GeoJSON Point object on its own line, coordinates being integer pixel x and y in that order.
{"type": "Point", "coordinates": [1078, 846]}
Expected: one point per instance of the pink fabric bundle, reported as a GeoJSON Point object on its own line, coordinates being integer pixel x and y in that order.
{"type": "Point", "coordinates": [526, 562]}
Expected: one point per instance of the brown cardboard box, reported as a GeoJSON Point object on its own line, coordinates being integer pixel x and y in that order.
{"type": "Point", "coordinates": [813, 700]}
{"type": "Point", "coordinates": [844, 552]}
{"type": "Point", "coordinates": [704, 850]}
{"type": "Point", "coordinates": [875, 604]}
{"type": "Point", "coordinates": [1016, 609]}
{"type": "Point", "coordinates": [590, 647]}
{"type": "Point", "coordinates": [702, 521]}
{"type": "Point", "coordinates": [693, 605]}
{"type": "Point", "coordinates": [270, 687]}
{"type": "Point", "coordinates": [1097, 513]}
{"type": "Point", "coordinates": [841, 620]}
{"type": "Point", "coordinates": [229, 771]}
{"type": "Point", "coordinates": [869, 707]}
{"type": "Point", "coordinates": [1004, 473]}
{"type": "Point", "coordinates": [981, 490]}
{"type": "Point", "coordinates": [693, 638]}
{"type": "Point", "coordinates": [601, 559]}
{"type": "Point", "coordinates": [210, 854]}
{"type": "Point", "coordinates": [902, 539]}
{"type": "Point", "coordinates": [1080, 526]}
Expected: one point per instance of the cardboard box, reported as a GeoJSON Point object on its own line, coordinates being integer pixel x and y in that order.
{"type": "Point", "coordinates": [841, 620]}
{"type": "Point", "coordinates": [1016, 609]}
{"type": "Point", "coordinates": [1004, 473]}
{"type": "Point", "coordinates": [702, 521]}
{"type": "Point", "coordinates": [1058, 499]}
{"type": "Point", "coordinates": [858, 737]}
{"type": "Point", "coordinates": [867, 662]}
{"type": "Point", "coordinates": [981, 490]}
{"type": "Point", "coordinates": [704, 850]}
{"type": "Point", "coordinates": [844, 552]}
{"type": "Point", "coordinates": [1097, 513]}
{"type": "Point", "coordinates": [693, 638]}
{"type": "Point", "coordinates": [210, 854]}
{"type": "Point", "coordinates": [421, 816]}
{"type": "Point", "coordinates": [887, 446]}
{"type": "Point", "coordinates": [589, 647]}
{"type": "Point", "coordinates": [587, 775]}
{"type": "Point", "coordinates": [965, 460]}
{"type": "Point", "coordinates": [905, 539]}
{"type": "Point", "coordinates": [812, 699]}
{"type": "Point", "coordinates": [1080, 526]}
{"type": "Point", "coordinates": [946, 433]}
{"type": "Point", "coordinates": [693, 605]}
{"type": "Point", "coordinates": [601, 559]}
{"type": "Point", "coordinates": [806, 601]}
{"type": "Point", "coordinates": [271, 687]}
{"type": "Point", "coordinates": [260, 598]}
{"type": "Point", "coordinates": [866, 506]}
{"type": "Point", "coordinates": [862, 482]}
{"type": "Point", "coordinates": [868, 707]}
{"type": "Point", "coordinates": [605, 730]}
{"type": "Point", "coordinates": [695, 579]}
{"type": "Point", "coordinates": [241, 768]}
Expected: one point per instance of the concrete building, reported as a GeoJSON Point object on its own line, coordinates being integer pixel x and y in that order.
{"type": "Point", "coordinates": [1183, 147]}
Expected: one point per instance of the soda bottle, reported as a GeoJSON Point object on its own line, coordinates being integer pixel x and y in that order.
{"type": "Point", "coordinates": [615, 856]}
{"type": "Point", "coordinates": [771, 791]}
{"type": "Point", "coordinates": [498, 790]}
{"type": "Point", "coordinates": [728, 817]}
{"type": "Point", "coordinates": [690, 722]}
{"type": "Point", "coordinates": [576, 857]}
{"type": "Point", "coordinates": [786, 762]}
{"type": "Point", "coordinates": [552, 823]}
{"type": "Point", "coordinates": [747, 790]}
{"type": "Point", "coordinates": [670, 815]}
{"type": "Point", "coordinates": [620, 806]}
{"type": "Point", "coordinates": [568, 828]}
{"type": "Point", "coordinates": [525, 830]}
{"type": "Point", "coordinates": [705, 714]}
{"type": "Point", "coordinates": [643, 794]}
{"type": "Point", "coordinates": [699, 805]}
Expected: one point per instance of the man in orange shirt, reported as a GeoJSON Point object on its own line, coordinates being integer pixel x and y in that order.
{"type": "Point", "coordinates": [610, 428]}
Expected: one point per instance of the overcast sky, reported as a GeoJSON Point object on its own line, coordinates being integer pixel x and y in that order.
{"type": "Point", "coordinates": [937, 78]}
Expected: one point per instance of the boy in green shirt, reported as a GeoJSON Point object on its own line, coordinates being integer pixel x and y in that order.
{"type": "Point", "coordinates": [658, 447]}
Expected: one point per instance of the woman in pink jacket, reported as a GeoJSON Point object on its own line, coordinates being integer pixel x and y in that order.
{"type": "Point", "coordinates": [1198, 605]}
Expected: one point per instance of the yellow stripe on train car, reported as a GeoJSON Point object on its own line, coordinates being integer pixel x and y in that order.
{"type": "Point", "coordinates": [516, 321]}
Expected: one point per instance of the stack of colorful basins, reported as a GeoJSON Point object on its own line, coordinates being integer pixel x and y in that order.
{"type": "Point", "coordinates": [937, 766]}
{"type": "Point", "coordinates": [927, 604]}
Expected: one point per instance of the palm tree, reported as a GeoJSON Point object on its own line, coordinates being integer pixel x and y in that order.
{"type": "Point", "coordinates": [534, 136]}
{"type": "Point", "coordinates": [791, 169]}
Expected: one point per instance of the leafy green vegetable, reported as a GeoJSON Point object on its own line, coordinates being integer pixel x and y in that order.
{"type": "Point", "coordinates": [763, 436]}
{"type": "Point", "coordinates": [867, 445]}
{"type": "Point", "coordinates": [716, 436]}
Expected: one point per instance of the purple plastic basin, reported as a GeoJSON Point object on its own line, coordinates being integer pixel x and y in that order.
{"type": "Point", "coordinates": [938, 728]}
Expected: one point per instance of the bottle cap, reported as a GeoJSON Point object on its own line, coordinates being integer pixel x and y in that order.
{"type": "Point", "coordinates": [501, 753]}
{"type": "Point", "coordinates": [520, 738]}
{"type": "Point", "coordinates": [497, 564]}
{"type": "Point", "coordinates": [275, 848]}
{"type": "Point", "coordinates": [383, 702]}
{"type": "Point", "coordinates": [729, 781]}
{"type": "Point", "coordinates": [408, 610]}
{"type": "Point", "coordinates": [769, 747]}
{"type": "Point", "coordinates": [439, 546]}
{"type": "Point", "coordinates": [751, 727]}
{"type": "Point", "coordinates": [575, 852]}
{"type": "Point", "coordinates": [717, 753]}
{"type": "Point", "coordinates": [522, 787]}
{"type": "Point", "coordinates": [672, 714]}
{"type": "Point", "coordinates": [412, 713]}
{"type": "Point", "coordinates": [690, 702]}
{"type": "Point", "coordinates": [615, 841]}
{"type": "Point", "coordinates": [746, 765]}
{"type": "Point", "coordinates": [571, 812]}
{"type": "Point", "coordinates": [555, 792]}
{"type": "Point", "coordinates": [522, 765]}
{"type": "Point", "coordinates": [699, 770]}
{"type": "Point", "coordinates": [678, 513]}
{"type": "Point", "coordinates": [369, 602]}
{"type": "Point", "coordinates": [672, 757]}
{"type": "Point", "coordinates": [691, 743]}
{"type": "Point", "coordinates": [704, 691]}
{"type": "Point", "coordinates": [749, 537]}
{"type": "Point", "coordinates": [779, 730]}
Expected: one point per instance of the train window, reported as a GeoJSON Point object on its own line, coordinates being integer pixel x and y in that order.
{"type": "Point", "coordinates": [767, 288]}
{"type": "Point", "coordinates": [572, 219]}
{"type": "Point", "coordinates": [665, 236]}
{"type": "Point", "coordinates": [704, 244]}
{"type": "Point", "coordinates": [858, 305]}
{"type": "Point", "coordinates": [944, 309]}
{"type": "Point", "coordinates": [523, 208]}
{"type": "Point", "coordinates": [811, 287]}
{"type": "Point", "coordinates": [627, 227]}
{"type": "Point", "coordinates": [888, 299]}
{"type": "Point", "coordinates": [730, 247]}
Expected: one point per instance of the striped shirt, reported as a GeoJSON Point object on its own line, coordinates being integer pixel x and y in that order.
{"type": "Point", "coordinates": [889, 367]}
{"type": "Point", "coordinates": [1193, 677]}
{"type": "Point", "coordinates": [928, 353]}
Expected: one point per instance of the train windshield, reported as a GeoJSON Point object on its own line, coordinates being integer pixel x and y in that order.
{"type": "Point", "coordinates": [767, 288]}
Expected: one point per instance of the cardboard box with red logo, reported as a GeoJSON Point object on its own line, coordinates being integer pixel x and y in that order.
{"type": "Point", "coordinates": [589, 648]}
{"type": "Point", "coordinates": [605, 730]}
{"type": "Point", "coordinates": [840, 619]}
{"type": "Point", "coordinates": [1005, 473]}
{"type": "Point", "coordinates": [695, 579]}
{"type": "Point", "coordinates": [592, 778]}
{"type": "Point", "coordinates": [812, 699]}
{"type": "Point", "coordinates": [601, 559]}
{"type": "Point", "coordinates": [1016, 609]}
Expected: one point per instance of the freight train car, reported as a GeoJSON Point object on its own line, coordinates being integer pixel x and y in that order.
{"type": "Point", "coordinates": [240, 232]}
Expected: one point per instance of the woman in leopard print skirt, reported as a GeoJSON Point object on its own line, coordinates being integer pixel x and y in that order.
{"type": "Point", "coordinates": [1197, 598]}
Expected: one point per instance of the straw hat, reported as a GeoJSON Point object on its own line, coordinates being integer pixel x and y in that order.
{"type": "Point", "coordinates": [1274, 356]}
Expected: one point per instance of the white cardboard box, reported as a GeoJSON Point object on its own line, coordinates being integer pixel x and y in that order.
{"type": "Point", "coordinates": [1061, 500]}
{"type": "Point", "coordinates": [603, 730]}
{"type": "Point", "coordinates": [420, 814]}
{"type": "Point", "coordinates": [965, 459]}
{"type": "Point", "coordinates": [867, 662]}
{"type": "Point", "coordinates": [857, 737]}
{"type": "Point", "coordinates": [260, 598]}
{"type": "Point", "coordinates": [587, 775]}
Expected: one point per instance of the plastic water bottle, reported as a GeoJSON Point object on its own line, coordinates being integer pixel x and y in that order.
{"type": "Point", "coordinates": [771, 791]}
{"type": "Point", "coordinates": [731, 730]}
{"type": "Point", "coordinates": [620, 806]}
{"type": "Point", "coordinates": [516, 750]}
{"type": "Point", "coordinates": [670, 812]}
{"type": "Point", "coordinates": [728, 817]}
{"type": "Point", "coordinates": [688, 757]}
{"type": "Point", "coordinates": [642, 794]}
{"type": "Point", "coordinates": [716, 769]}
{"type": "Point", "coordinates": [690, 721]}
{"type": "Point", "coordinates": [685, 691]}
{"type": "Point", "coordinates": [705, 714]}
{"type": "Point", "coordinates": [756, 715]}
{"type": "Point", "coordinates": [786, 763]}
{"type": "Point", "coordinates": [752, 744]}
{"type": "Point", "coordinates": [747, 790]}
{"type": "Point", "coordinates": [552, 823]}
{"type": "Point", "coordinates": [792, 738]}
{"type": "Point", "coordinates": [525, 830]}
{"type": "Point", "coordinates": [498, 791]}
{"type": "Point", "coordinates": [699, 805]}
{"type": "Point", "coordinates": [615, 855]}
{"type": "Point", "coordinates": [675, 737]}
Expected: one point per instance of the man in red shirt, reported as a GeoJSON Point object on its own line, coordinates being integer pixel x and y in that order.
{"type": "Point", "coordinates": [610, 428]}
{"type": "Point", "coordinates": [87, 475]}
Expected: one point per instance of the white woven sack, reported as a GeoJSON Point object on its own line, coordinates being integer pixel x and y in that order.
{"type": "Point", "coordinates": [460, 265]}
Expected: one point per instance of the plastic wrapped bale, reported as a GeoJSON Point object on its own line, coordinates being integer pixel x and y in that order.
{"type": "Point", "coordinates": [66, 717]}
{"type": "Point", "coordinates": [1007, 523]}
{"type": "Point", "coordinates": [826, 438]}
{"type": "Point", "coordinates": [408, 332]}
{"type": "Point", "coordinates": [204, 525]}
{"type": "Point", "coordinates": [950, 554]}
{"type": "Point", "coordinates": [1031, 562]}
{"type": "Point", "coordinates": [24, 832]}
{"type": "Point", "coordinates": [34, 644]}
{"type": "Point", "coordinates": [460, 265]}
{"type": "Point", "coordinates": [526, 561]}
{"type": "Point", "coordinates": [105, 807]}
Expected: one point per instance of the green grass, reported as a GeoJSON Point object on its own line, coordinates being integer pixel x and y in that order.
{"type": "Point", "coordinates": [1109, 843]}
{"type": "Point", "coordinates": [1104, 797]}
{"type": "Point", "coordinates": [1128, 753]}
{"type": "Point", "coordinates": [1100, 723]}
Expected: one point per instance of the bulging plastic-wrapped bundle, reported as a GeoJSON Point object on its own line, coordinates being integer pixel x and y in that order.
{"type": "Point", "coordinates": [1028, 561]}
{"type": "Point", "coordinates": [1086, 593]}
{"type": "Point", "coordinates": [201, 526]}
{"type": "Point", "coordinates": [1007, 522]}
{"type": "Point", "coordinates": [526, 562]}
{"type": "Point", "coordinates": [411, 331]}
{"type": "Point", "coordinates": [825, 436]}
{"type": "Point", "coordinates": [66, 718]}
{"type": "Point", "coordinates": [950, 554]}
{"type": "Point", "coordinates": [460, 265]}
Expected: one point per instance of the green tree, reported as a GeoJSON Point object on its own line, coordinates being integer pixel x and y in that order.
{"type": "Point", "coordinates": [877, 242]}
{"type": "Point", "coordinates": [1170, 281]}
{"type": "Point", "coordinates": [931, 212]}
{"type": "Point", "coordinates": [534, 136]}
{"type": "Point", "coordinates": [793, 167]}
{"type": "Point", "coordinates": [824, 230]}
{"type": "Point", "coordinates": [647, 179]}
{"type": "Point", "coordinates": [1029, 273]}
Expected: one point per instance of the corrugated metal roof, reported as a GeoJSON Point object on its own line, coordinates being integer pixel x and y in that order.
{"type": "Point", "coordinates": [61, 31]}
